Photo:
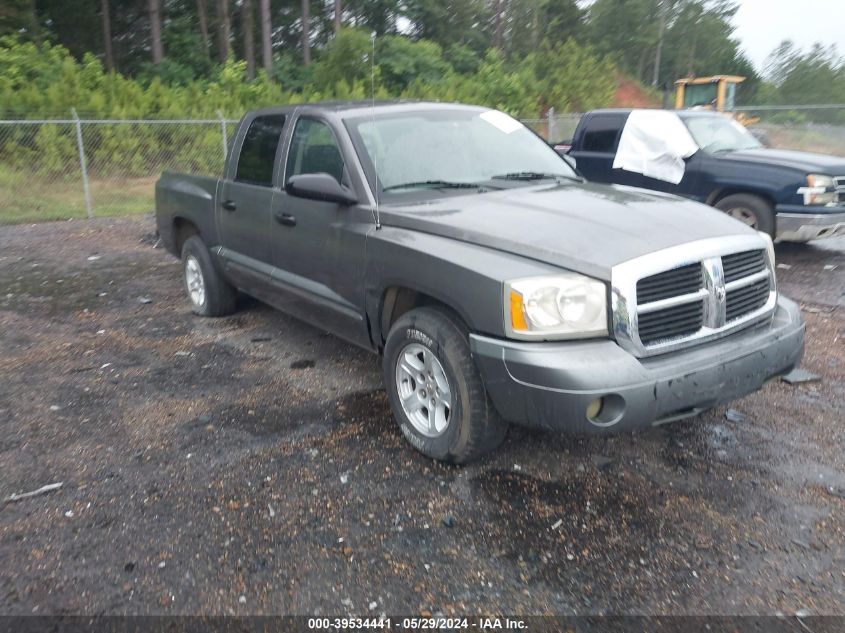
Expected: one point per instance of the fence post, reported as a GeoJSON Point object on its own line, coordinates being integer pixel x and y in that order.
{"type": "Point", "coordinates": [83, 165]}
{"type": "Point", "coordinates": [551, 125]}
{"type": "Point", "coordinates": [225, 134]}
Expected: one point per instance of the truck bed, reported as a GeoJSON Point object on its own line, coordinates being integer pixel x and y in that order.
{"type": "Point", "coordinates": [189, 198]}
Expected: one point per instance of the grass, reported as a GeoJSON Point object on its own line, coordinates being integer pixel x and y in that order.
{"type": "Point", "coordinates": [26, 197]}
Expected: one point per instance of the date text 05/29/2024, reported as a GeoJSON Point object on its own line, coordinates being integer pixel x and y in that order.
{"type": "Point", "coordinates": [416, 623]}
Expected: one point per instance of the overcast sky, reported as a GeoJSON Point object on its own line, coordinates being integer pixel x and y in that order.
{"type": "Point", "coordinates": [763, 24]}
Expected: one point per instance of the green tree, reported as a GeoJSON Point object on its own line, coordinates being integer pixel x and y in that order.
{"type": "Point", "coordinates": [531, 23]}
{"type": "Point", "coordinates": [813, 77]}
{"type": "Point", "coordinates": [401, 61]}
{"type": "Point", "coordinates": [19, 17]}
{"type": "Point", "coordinates": [346, 58]}
{"type": "Point", "coordinates": [450, 22]}
{"type": "Point", "coordinates": [573, 78]}
{"type": "Point", "coordinates": [627, 32]}
{"type": "Point", "coordinates": [378, 16]}
{"type": "Point", "coordinates": [187, 60]}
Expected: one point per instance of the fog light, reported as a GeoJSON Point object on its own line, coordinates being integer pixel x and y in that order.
{"type": "Point", "coordinates": [594, 409]}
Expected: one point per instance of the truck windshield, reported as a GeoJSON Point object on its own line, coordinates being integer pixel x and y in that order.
{"type": "Point", "coordinates": [719, 133]}
{"type": "Point", "coordinates": [448, 152]}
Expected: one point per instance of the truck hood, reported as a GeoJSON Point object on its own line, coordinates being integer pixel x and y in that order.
{"type": "Point", "coordinates": [587, 228]}
{"type": "Point", "coordinates": [801, 161]}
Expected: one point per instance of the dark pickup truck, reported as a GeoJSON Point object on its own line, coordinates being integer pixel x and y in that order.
{"type": "Point", "coordinates": [496, 285]}
{"type": "Point", "coordinates": [793, 196]}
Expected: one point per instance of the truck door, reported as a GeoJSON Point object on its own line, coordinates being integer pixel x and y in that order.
{"type": "Point", "coordinates": [245, 199]}
{"type": "Point", "coordinates": [318, 247]}
{"type": "Point", "coordinates": [596, 147]}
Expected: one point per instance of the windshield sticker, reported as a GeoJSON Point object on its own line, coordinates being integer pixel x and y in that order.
{"type": "Point", "coordinates": [502, 121]}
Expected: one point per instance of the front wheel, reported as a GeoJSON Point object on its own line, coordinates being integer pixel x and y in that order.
{"type": "Point", "coordinates": [749, 209]}
{"type": "Point", "coordinates": [209, 293]}
{"type": "Point", "coordinates": [435, 390]}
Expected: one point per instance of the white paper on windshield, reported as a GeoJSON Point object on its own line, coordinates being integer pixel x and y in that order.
{"type": "Point", "coordinates": [655, 143]}
{"type": "Point", "coordinates": [502, 121]}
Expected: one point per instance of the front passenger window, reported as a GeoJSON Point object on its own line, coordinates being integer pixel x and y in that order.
{"type": "Point", "coordinates": [313, 150]}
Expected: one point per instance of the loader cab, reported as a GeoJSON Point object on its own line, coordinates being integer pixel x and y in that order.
{"type": "Point", "coordinates": [715, 93]}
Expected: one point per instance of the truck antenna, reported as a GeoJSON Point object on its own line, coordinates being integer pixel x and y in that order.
{"type": "Point", "coordinates": [376, 214]}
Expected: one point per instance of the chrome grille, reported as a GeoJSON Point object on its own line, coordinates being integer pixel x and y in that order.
{"type": "Point", "coordinates": [739, 265]}
{"type": "Point", "coordinates": [669, 323]}
{"type": "Point", "coordinates": [716, 286]}
{"type": "Point", "coordinates": [670, 283]}
{"type": "Point", "coordinates": [839, 182]}
{"type": "Point", "coordinates": [746, 299]}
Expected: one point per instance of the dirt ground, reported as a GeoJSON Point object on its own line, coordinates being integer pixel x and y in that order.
{"type": "Point", "coordinates": [251, 465]}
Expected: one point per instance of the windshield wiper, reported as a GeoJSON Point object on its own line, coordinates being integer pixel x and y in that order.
{"type": "Point", "coordinates": [434, 184]}
{"type": "Point", "coordinates": [527, 175]}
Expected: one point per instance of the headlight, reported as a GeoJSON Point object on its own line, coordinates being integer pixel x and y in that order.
{"type": "Point", "coordinates": [562, 306]}
{"type": "Point", "coordinates": [820, 190]}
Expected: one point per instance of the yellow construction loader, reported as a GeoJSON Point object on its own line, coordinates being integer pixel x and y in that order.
{"type": "Point", "coordinates": [714, 93]}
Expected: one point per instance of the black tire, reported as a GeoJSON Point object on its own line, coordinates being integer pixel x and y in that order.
{"type": "Point", "coordinates": [749, 204]}
{"type": "Point", "coordinates": [218, 294]}
{"type": "Point", "coordinates": [474, 427]}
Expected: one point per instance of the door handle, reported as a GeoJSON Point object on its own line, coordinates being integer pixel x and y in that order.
{"type": "Point", "coordinates": [285, 218]}
{"type": "Point", "coordinates": [229, 205]}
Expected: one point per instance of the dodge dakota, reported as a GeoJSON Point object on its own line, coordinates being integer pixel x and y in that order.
{"type": "Point", "coordinates": [793, 196]}
{"type": "Point", "coordinates": [496, 284]}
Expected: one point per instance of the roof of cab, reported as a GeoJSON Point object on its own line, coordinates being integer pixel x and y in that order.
{"type": "Point", "coordinates": [356, 108]}
{"type": "Point", "coordinates": [681, 113]}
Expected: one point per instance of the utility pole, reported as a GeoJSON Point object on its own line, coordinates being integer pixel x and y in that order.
{"type": "Point", "coordinates": [224, 28]}
{"type": "Point", "coordinates": [154, 10]}
{"type": "Point", "coordinates": [266, 41]}
{"type": "Point", "coordinates": [662, 9]}
{"type": "Point", "coordinates": [499, 26]}
{"type": "Point", "coordinates": [306, 33]}
{"type": "Point", "coordinates": [202, 15]}
{"type": "Point", "coordinates": [107, 46]}
{"type": "Point", "coordinates": [248, 27]}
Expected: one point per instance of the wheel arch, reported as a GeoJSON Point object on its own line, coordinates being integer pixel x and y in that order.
{"type": "Point", "coordinates": [397, 299]}
{"type": "Point", "coordinates": [723, 192]}
{"type": "Point", "coordinates": [183, 228]}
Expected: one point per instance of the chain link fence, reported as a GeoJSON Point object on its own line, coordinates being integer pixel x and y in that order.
{"type": "Point", "coordinates": [555, 127]}
{"type": "Point", "coordinates": [57, 169]}
{"type": "Point", "coordinates": [75, 168]}
{"type": "Point", "coordinates": [818, 129]}
{"type": "Point", "coordinates": [809, 128]}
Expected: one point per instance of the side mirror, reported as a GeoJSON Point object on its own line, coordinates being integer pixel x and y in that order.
{"type": "Point", "coordinates": [320, 186]}
{"type": "Point", "coordinates": [570, 160]}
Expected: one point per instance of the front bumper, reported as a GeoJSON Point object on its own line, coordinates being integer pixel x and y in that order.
{"type": "Point", "coordinates": [550, 385]}
{"type": "Point", "coordinates": [803, 227]}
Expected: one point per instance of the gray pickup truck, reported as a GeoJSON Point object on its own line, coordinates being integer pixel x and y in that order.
{"type": "Point", "coordinates": [494, 282]}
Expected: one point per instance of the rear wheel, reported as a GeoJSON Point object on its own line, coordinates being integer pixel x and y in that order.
{"type": "Point", "coordinates": [749, 209]}
{"type": "Point", "coordinates": [209, 293]}
{"type": "Point", "coordinates": [435, 390]}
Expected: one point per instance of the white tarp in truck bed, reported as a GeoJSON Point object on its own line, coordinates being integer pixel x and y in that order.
{"type": "Point", "coordinates": [655, 143]}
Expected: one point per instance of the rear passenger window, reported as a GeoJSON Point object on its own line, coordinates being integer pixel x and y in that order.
{"type": "Point", "coordinates": [602, 133]}
{"type": "Point", "coordinates": [255, 164]}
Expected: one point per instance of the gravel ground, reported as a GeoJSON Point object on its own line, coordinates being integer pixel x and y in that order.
{"type": "Point", "coordinates": [251, 465]}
